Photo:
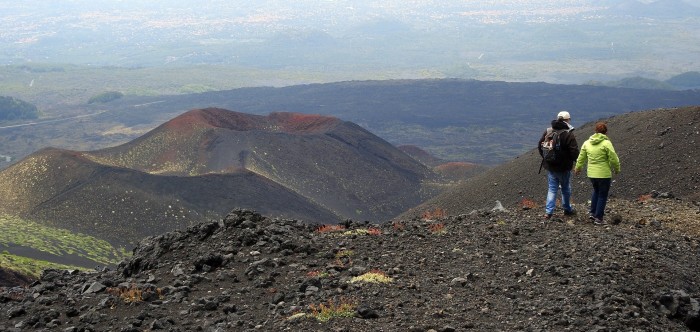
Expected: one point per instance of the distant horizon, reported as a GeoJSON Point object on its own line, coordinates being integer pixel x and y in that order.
{"type": "Point", "coordinates": [520, 41]}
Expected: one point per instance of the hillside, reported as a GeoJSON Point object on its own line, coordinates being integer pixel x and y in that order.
{"type": "Point", "coordinates": [199, 165]}
{"type": "Point", "coordinates": [658, 150]}
{"type": "Point", "coordinates": [334, 163]}
{"type": "Point", "coordinates": [64, 189]}
{"type": "Point", "coordinates": [483, 122]}
{"type": "Point", "coordinates": [485, 271]}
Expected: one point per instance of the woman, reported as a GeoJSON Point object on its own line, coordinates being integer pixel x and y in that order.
{"type": "Point", "coordinates": [602, 163]}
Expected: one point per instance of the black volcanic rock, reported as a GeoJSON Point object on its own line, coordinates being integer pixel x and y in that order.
{"type": "Point", "coordinates": [483, 271]}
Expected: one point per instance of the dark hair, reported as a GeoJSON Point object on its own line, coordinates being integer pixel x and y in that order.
{"type": "Point", "coordinates": [600, 127]}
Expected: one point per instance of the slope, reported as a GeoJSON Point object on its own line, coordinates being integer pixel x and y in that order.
{"type": "Point", "coordinates": [200, 165]}
{"type": "Point", "coordinates": [333, 163]}
{"type": "Point", "coordinates": [66, 190]}
{"type": "Point", "coordinates": [482, 272]}
{"type": "Point", "coordinates": [485, 122]}
{"type": "Point", "coordinates": [658, 150]}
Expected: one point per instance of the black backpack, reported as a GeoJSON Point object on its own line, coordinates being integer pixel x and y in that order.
{"type": "Point", "coordinates": [552, 152]}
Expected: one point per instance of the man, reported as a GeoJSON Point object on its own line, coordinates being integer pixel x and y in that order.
{"type": "Point", "coordinates": [559, 170]}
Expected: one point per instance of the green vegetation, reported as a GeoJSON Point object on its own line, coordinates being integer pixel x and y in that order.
{"type": "Point", "coordinates": [31, 267]}
{"type": "Point", "coordinates": [374, 277]}
{"type": "Point", "coordinates": [637, 83]}
{"type": "Point", "coordinates": [105, 97]}
{"type": "Point", "coordinates": [16, 109]}
{"type": "Point", "coordinates": [327, 311]}
{"type": "Point", "coordinates": [74, 84]}
{"type": "Point", "coordinates": [56, 241]}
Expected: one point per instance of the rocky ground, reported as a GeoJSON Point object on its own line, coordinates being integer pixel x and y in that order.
{"type": "Point", "coordinates": [488, 270]}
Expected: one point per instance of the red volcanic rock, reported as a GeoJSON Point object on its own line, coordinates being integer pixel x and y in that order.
{"type": "Point", "coordinates": [293, 123]}
{"type": "Point", "coordinates": [213, 118]}
{"type": "Point", "coordinates": [298, 123]}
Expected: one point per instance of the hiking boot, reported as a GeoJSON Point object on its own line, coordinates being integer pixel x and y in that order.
{"type": "Point", "coordinates": [591, 216]}
{"type": "Point", "coordinates": [571, 212]}
{"type": "Point", "coordinates": [548, 216]}
{"type": "Point", "coordinates": [599, 222]}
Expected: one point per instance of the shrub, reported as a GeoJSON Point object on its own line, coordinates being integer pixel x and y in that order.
{"type": "Point", "coordinates": [398, 225]}
{"type": "Point", "coordinates": [330, 228]}
{"type": "Point", "coordinates": [528, 204]}
{"type": "Point", "coordinates": [374, 231]}
{"type": "Point", "coordinates": [16, 109]}
{"type": "Point", "coordinates": [325, 312]}
{"type": "Point", "coordinates": [344, 253]}
{"type": "Point", "coordinates": [434, 214]}
{"type": "Point", "coordinates": [437, 228]}
{"type": "Point", "coordinates": [132, 293]}
{"type": "Point", "coordinates": [364, 231]}
{"type": "Point", "coordinates": [105, 97]}
{"type": "Point", "coordinates": [374, 276]}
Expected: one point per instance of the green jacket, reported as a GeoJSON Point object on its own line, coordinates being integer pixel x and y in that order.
{"type": "Point", "coordinates": [601, 157]}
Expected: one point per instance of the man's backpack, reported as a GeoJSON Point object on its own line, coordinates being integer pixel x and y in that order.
{"type": "Point", "coordinates": [552, 152]}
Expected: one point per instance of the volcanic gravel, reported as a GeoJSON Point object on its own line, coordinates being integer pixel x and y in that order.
{"type": "Point", "coordinates": [488, 270]}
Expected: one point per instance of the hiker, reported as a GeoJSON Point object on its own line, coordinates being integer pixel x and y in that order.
{"type": "Point", "coordinates": [559, 168]}
{"type": "Point", "coordinates": [602, 163]}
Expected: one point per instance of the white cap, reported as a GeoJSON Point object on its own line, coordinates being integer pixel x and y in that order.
{"type": "Point", "coordinates": [563, 115]}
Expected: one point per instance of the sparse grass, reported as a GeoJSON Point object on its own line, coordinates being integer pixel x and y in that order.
{"type": "Point", "coordinates": [528, 204]}
{"type": "Point", "coordinates": [330, 228]}
{"type": "Point", "coordinates": [438, 228]}
{"type": "Point", "coordinates": [29, 266]}
{"type": "Point", "coordinates": [343, 258]}
{"type": "Point", "coordinates": [56, 241]}
{"type": "Point", "coordinates": [344, 253]}
{"type": "Point", "coordinates": [340, 230]}
{"type": "Point", "coordinates": [363, 231]}
{"type": "Point", "coordinates": [434, 214]}
{"type": "Point", "coordinates": [132, 293]}
{"type": "Point", "coordinates": [326, 311]}
{"type": "Point", "coordinates": [374, 231]}
{"type": "Point", "coordinates": [374, 276]}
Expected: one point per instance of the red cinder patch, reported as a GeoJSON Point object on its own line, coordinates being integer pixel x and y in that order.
{"type": "Point", "coordinates": [302, 123]}
{"type": "Point", "coordinates": [215, 118]}
{"type": "Point", "coordinates": [293, 123]}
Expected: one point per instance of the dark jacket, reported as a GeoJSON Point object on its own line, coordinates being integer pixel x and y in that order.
{"type": "Point", "coordinates": [568, 143]}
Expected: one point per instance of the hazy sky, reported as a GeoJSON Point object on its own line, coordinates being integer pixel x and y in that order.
{"type": "Point", "coordinates": [510, 39]}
